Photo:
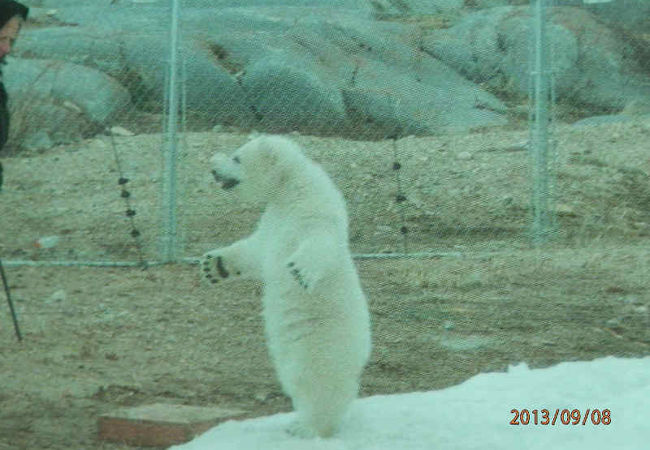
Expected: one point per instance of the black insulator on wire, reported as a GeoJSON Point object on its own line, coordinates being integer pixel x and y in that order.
{"type": "Point", "coordinates": [130, 212]}
{"type": "Point", "coordinates": [5, 283]}
{"type": "Point", "coordinates": [400, 197]}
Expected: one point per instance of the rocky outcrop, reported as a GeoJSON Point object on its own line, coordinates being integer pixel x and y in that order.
{"type": "Point", "coordinates": [326, 67]}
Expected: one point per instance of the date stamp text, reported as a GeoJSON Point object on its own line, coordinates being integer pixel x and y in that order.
{"type": "Point", "coordinates": [559, 416]}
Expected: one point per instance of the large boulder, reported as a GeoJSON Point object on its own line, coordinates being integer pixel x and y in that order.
{"type": "Point", "coordinates": [57, 102]}
{"type": "Point", "coordinates": [629, 14]}
{"type": "Point", "coordinates": [347, 74]}
{"type": "Point", "coordinates": [591, 63]}
{"type": "Point", "coordinates": [350, 4]}
{"type": "Point", "coordinates": [72, 44]}
{"type": "Point", "coordinates": [389, 87]}
{"type": "Point", "coordinates": [40, 122]}
{"type": "Point", "coordinates": [287, 94]}
{"type": "Point", "coordinates": [610, 73]}
{"type": "Point", "coordinates": [99, 96]}
{"type": "Point", "coordinates": [205, 85]}
{"type": "Point", "coordinates": [296, 65]}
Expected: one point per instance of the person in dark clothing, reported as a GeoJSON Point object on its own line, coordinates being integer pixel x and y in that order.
{"type": "Point", "coordinates": [12, 16]}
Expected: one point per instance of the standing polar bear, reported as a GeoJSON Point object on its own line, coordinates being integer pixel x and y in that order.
{"type": "Point", "coordinates": [316, 317]}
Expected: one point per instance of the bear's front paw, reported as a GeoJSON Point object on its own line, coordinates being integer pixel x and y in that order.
{"type": "Point", "coordinates": [301, 275]}
{"type": "Point", "coordinates": [213, 267]}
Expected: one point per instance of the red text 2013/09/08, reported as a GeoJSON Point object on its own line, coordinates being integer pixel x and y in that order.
{"type": "Point", "coordinates": [561, 417]}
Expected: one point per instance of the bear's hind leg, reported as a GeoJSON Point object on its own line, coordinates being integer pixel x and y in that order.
{"type": "Point", "coordinates": [321, 406]}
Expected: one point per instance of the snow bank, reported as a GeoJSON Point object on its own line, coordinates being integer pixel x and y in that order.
{"type": "Point", "coordinates": [477, 414]}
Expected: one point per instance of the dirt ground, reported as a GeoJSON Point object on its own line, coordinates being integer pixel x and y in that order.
{"type": "Point", "coordinates": [122, 336]}
{"type": "Point", "coordinates": [98, 338]}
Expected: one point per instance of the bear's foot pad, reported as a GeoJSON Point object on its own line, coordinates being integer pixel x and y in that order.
{"type": "Point", "coordinates": [160, 425]}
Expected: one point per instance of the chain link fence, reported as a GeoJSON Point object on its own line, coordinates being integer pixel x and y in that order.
{"type": "Point", "coordinates": [86, 82]}
{"type": "Point", "coordinates": [492, 154]}
{"type": "Point", "coordinates": [430, 116]}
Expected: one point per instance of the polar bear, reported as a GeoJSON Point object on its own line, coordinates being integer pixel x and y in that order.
{"type": "Point", "coordinates": [315, 313]}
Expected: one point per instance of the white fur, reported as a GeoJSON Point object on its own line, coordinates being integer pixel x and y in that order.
{"type": "Point", "coordinates": [315, 313]}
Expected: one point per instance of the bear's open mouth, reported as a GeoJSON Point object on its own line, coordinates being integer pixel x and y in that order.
{"type": "Point", "coordinates": [226, 183]}
{"type": "Point", "coordinates": [230, 183]}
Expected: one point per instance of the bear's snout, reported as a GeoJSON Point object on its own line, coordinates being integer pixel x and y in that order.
{"type": "Point", "coordinates": [226, 182]}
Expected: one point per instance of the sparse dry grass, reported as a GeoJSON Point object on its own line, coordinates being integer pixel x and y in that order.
{"type": "Point", "coordinates": [463, 192]}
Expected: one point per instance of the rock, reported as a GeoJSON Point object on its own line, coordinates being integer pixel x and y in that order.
{"type": "Point", "coordinates": [337, 71]}
{"type": "Point", "coordinates": [601, 120]}
{"type": "Point", "coordinates": [74, 45]}
{"type": "Point", "coordinates": [386, 9]}
{"type": "Point", "coordinates": [257, 4]}
{"type": "Point", "coordinates": [60, 3]}
{"type": "Point", "coordinates": [47, 242]}
{"type": "Point", "coordinates": [141, 65]}
{"type": "Point", "coordinates": [120, 131]}
{"type": "Point", "coordinates": [471, 46]}
{"type": "Point", "coordinates": [515, 36]}
{"type": "Point", "coordinates": [637, 107]}
{"type": "Point", "coordinates": [39, 122]}
{"type": "Point", "coordinates": [481, 4]}
{"type": "Point", "coordinates": [275, 66]}
{"type": "Point", "coordinates": [42, 16]}
{"type": "Point", "coordinates": [71, 106]}
{"type": "Point", "coordinates": [610, 76]}
{"type": "Point", "coordinates": [492, 47]}
{"type": "Point", "coordinates": [564, 210]}
{"type": "Point", "coordinates": [630, 14]}
{"type": "Point", "coordinates": [53, 102]}
{"type": "Point", "coordinates": [351, 74]}
{"type": "Point", "coordinates": [57, 297]}
{"type": "Point", "coordinates": [374, 116]}
{"type": "Point", "coordinates": [38, 141]}
{"type": "Point", "coordinates": [262, 397]}
{"type": "Point", "coordinates": [391, 88]}
{"type": "Point", "coordinates": [99, 96]}
{"type": "Point", "coordinates": [209, 87]}
{"type": "Point", "coordinates": [470, 343]}
{"type": "Point", "coordinates": [287, 94]}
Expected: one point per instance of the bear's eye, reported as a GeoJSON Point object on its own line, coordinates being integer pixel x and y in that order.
{"type": "Point", "coordinates": [236, 159]}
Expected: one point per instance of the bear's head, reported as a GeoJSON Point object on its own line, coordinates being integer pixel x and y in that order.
{"type": "Point", "coordinates": [260, 169]}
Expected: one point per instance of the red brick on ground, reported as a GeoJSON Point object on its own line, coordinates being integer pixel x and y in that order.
{"type": "Point", "coordinates": [160, 425]}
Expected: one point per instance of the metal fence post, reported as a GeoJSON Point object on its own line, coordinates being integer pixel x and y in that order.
{"type": "Point", "coordinates": [169, 246]}
{"type": "Point", "coordinates": [542, 220]}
